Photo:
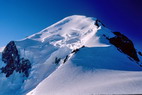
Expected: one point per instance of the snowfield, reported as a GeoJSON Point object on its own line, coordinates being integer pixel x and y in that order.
{"type": "Point", "coordinates": [93, 71]}
{"type": "Point", "coordinates": [74, 57]}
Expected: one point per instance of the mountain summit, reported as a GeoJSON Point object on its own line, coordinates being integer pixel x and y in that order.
{"type": "Point", "coordinates": [78, 55]}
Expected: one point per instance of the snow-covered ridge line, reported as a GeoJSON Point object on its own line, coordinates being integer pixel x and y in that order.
{"type": "Point", "coordinates": [62, 52]}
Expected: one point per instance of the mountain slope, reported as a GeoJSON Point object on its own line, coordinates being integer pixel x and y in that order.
{"type": "Point", "coordinates": [76, 56]}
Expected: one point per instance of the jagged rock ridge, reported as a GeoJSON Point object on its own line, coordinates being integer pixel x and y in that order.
{"type": "Point", "coordinates": [125, 45]}
{"type": "Point", "coordinates": [11, 57]}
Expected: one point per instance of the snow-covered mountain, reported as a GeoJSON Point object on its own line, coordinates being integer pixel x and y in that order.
{"type": "Point", "coordinates": [75, 56]}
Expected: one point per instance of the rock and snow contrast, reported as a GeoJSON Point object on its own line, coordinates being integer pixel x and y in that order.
{"type": "Point", "coordinates": [75, 56]}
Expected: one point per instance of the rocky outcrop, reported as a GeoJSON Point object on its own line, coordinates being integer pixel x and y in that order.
{"type": "Point", "coordinates": [11, 57]}
{"type": "Point", "coordinates": [125, 45]}
{"type": "Point", "coordinates": [10, 54]}
{"type": "Point", "coordinates": [98, 23]}
{"type": "Point", "coordinates": [140, 53]}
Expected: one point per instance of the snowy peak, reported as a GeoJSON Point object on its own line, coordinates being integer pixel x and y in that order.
{"type": "Point", "coordinates": [81, 41]}
{"type": "Point", "coordinates": [71, 33]}
{"type": "Point", "coordinates": [77, 31]}
{"type": "Point", "coordinates": [74, 32]}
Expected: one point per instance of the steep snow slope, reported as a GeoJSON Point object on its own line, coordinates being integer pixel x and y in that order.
{"type": "Point", "coordinates": [76, 56]}
{"type": "Point", "coordinates": [98, 68]}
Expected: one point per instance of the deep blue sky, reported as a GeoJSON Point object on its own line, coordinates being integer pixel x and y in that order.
{"type": "Point", "coordinates": [21, 18]}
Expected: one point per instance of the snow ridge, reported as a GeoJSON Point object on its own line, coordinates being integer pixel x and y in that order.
{"type": "Point", "coordinates": [75, 57]}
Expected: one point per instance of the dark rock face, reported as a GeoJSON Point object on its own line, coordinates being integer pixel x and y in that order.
{"type": "Point", "coordinates": [125, 45]}
{"type": "Point", "coordinates": [10, 54]}
{"type": "Point", "coordinates": [140, 53]}
{"type": "Point", "coordinates": [24, 67]}
{"type": "Point", "coordinates": [11, 58]}
{"type": "Point", "coordinates": [57, 60]}
{"type": "Point", "coordinates": [75, 51]}
{"type": "Point", "coordinates": [98, 23]}
{"type": "Point", "coordinates": [66, 59]}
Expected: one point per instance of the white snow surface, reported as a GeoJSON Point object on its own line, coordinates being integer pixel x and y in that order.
{"type": "Point", "coordinates": [97, 68]}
